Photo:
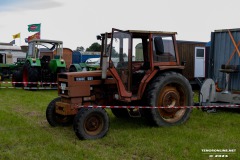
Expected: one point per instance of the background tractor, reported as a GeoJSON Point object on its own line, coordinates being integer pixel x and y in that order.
{"type": "Point", "coordinates": [147, 77]}
{"type": "Point", "coordinates": [91, 64]}
{"type": "Point", "coordinates": [42, 67]}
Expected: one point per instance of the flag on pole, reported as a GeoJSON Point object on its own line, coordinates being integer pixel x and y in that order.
{"type": "Point", "coordinates": [34, 27]}
{"type": "Point", "coordinates": [35, 36]}
{"type": "Point", "coordinates": [16, 36]}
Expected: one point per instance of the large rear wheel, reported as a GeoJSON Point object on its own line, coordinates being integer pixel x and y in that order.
{"type": "Point", "coordinates": [30, 75]}
{"type": "Point", "coordinates": [91, 123]}
{"type": "Point", "coordinates": [169, 89]}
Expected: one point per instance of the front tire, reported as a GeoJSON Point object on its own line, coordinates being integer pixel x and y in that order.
{"type": "Point", "coordinates": [169, 89]}
{"type": "Point", "coordinates": [91, 123]}
{"type": "Point", "coordinates": [55, 119]}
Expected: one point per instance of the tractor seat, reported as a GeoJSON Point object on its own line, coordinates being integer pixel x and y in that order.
{"type": "Point", "coordinates": [45, 59]}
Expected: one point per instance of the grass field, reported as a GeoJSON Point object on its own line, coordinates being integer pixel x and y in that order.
{"type": "Point", "coordinates": [25, 134]}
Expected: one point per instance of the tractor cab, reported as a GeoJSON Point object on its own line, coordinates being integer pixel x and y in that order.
{"type": "Point", "coordinates": [137, 68]}
{"type": "Point", "coordinates": [45, 52]}
{"type": "Point", "coordinates": [136, 56]}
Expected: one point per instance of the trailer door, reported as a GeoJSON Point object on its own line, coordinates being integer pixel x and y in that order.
{"type": "Point", "coordinates": [199, 68]}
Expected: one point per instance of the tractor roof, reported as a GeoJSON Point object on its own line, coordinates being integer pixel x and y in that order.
{"type": "Point", "coordinates": [45, 41]}
{"type": "Point", "coordinates": [150, 32]}
{"type": "Point", "coordinates": [138, 33]}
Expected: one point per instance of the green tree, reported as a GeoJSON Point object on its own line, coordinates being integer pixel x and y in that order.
{"type": "Point", "coordinates": [95, 47]}
{"type": "Point", "coordinates": [80, 49]}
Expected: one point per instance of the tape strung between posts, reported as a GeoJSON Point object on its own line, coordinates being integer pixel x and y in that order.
{"type": "Point", "coordinates": [39, 83]}
{"type": "Point", "coordinates": [3, 82]}
{"type": "Point", "coordinates": [155, 107]}
{"type": "Point", "coordinates": [129, 107]}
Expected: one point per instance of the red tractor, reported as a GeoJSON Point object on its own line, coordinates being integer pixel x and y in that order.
{"type": "Point", "coordinates": [137, 68]}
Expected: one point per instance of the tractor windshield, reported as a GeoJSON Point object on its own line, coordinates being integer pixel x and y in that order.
{"type": "Point", "coordinates": [121, 50]}
{"type": "Point", "coordinates": [35, 48]}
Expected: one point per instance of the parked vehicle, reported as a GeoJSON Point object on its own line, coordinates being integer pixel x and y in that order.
{"type": "Point", "coordinates": [82, 61]}
{"type": "Point", "coordinates": [156, 80]}
{"type": "Point", "coordinates": [11, 58]}
{"type": "Point", "coordinates": [40, 68]}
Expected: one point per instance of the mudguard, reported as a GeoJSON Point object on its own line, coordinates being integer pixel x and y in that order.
{"type": "Point", "coordinates": [56, 63]}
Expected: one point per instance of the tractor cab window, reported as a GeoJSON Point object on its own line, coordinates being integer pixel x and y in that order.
{"type": "Point", "coordinates": [59, 50]}
{"type": "Point", "coordinates": [163, 49]}
{"type": "Point", "coordinates": [121, 50]}
{"type": "Point", "coordinates": [137, 50]}
{"type": "Point", "coordinates": [30, 49]}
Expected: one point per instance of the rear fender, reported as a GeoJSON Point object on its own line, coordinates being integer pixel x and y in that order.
{"type": "Point", "coordinates": [56, 63]}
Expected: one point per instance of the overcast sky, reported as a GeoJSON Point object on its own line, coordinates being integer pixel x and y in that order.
{"type": "Point", "coordinates": [77, 22]}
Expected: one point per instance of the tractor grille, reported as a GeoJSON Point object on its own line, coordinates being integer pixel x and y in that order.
{"type": "Point", "coordinates": [63, 84]}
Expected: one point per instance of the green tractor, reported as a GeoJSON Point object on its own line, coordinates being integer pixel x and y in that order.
{"type": "Point", "coordinates": [43, 63]}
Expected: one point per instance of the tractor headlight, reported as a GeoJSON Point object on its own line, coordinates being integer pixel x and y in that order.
{"type": "Point", "coordinates": [63, 87]}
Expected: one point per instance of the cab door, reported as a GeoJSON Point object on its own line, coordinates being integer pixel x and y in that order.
{"type": "Point", "coordinates": [121, 56]}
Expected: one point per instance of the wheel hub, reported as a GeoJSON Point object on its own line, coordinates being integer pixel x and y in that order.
{"type": "Point", "coordinates": [170, 99]}
{"type": "Point", "coordinates": [93, 125]}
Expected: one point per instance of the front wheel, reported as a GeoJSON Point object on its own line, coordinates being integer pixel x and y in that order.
{"type": "Point", "coordinates": [169, 89]}
{"type": "Point", "coordinates": [55, 119]}
{"type": "Point", "coordinates": [91, 123]}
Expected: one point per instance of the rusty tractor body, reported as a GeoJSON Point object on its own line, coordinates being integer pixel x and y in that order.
{"type": "Point", "coordinates": [137, 68]}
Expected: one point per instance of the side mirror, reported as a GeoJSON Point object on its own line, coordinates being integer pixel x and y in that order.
{"type": "Point", "coordinates": [99, 37]}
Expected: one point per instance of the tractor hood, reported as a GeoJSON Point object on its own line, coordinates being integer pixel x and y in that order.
{"type": "Point", "coordinates": [79, 84]}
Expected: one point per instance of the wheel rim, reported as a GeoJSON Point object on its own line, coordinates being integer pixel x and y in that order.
{"type": "Point", "coordinates": [93, 124]}
{"type": "Point", "coordinates": [171, 96]}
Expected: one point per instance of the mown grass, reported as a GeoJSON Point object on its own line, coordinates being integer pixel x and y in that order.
{"type": "Point", "coordinates": [25, 134]}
